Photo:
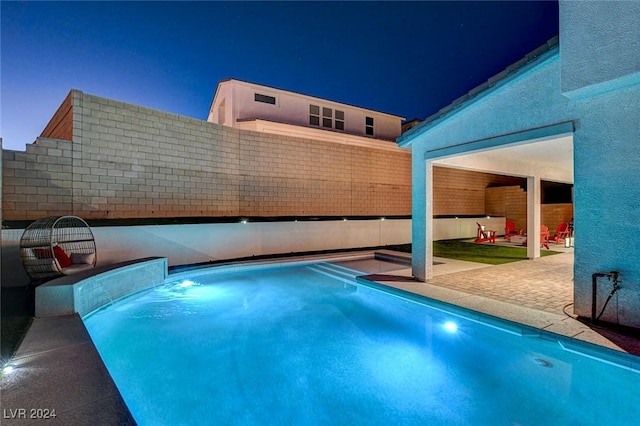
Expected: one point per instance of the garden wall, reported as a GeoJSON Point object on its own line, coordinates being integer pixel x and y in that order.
{"type": "Point", "coordinates": [127, 161]}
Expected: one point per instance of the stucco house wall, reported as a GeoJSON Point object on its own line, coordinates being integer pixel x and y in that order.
{"type": "Point", "coordinates": [607, 201]}
{"type": "Point", "coordinates": [600, 48]}
{"type": "Point", "coordinates": [530, 100]}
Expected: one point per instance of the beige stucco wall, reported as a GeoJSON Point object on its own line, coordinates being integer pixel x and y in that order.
{"type": "Point", "coordinates": [127, 161]}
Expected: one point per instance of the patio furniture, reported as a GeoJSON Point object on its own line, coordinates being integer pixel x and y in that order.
{"type": "Point", "coordinates": [562, 232]}
{"type": "Point", "coordinates": [510, 230]}
{"type": "Point", "coordinates": [544, 236]}
{"type": "Point", "coordinates": [55, 246]}
{"type": "Point", "coordinates": [485, 235]}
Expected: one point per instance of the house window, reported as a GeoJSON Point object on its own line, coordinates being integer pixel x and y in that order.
{"type": "Point", "coordinates": [314, 115]}
{"type": "Point", "coordinates": [330, 118]}
{"type": "Point", "coordinates": [327, 117]}
{"type": "Point", "coordinates": [265, 99]}
{"type": "Point", "coordinates": [368, 126]}
{"type": "Point", "coordinates": [339, 120]}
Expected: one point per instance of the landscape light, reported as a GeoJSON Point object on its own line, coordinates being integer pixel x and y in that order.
{"type": "Point", "coordinates": [8, 369]}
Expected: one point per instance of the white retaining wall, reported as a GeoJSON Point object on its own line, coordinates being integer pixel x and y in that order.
{"type": "Point", "coordinates": [467, 227]}
{"type": "Point", "coordinates": [185, 244]}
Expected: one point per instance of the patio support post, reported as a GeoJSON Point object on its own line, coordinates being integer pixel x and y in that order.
{"type": "Point", "coordinates": [422, 220]}
{"type": "Point", "coordinates": [429, 225]}
{"type": "Point", "coordinates": [533, 217]}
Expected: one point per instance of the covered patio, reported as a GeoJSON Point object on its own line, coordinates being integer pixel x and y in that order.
{"type": "Point", "coordinates": [576, 97]}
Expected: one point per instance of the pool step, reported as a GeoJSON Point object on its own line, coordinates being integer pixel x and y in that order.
{"type": "Point", "coordinates": [336, 271]}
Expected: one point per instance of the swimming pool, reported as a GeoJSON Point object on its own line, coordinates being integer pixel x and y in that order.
{"type": "Point", "coordinates": [305, 345]}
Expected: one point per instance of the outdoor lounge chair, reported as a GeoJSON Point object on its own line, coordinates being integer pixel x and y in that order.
{"type": "Point", "coordinates": [55, 246]}
{"type": "Point", "coordinates": [510, 229]}
{"type": "Point", "coordinates": [562, 232]}
{"type": "Point", "coordinates": [485, 235]}
{"type": "Point", "coordinates": [544, 236]}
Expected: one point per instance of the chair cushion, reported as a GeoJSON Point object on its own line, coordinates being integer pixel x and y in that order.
{"type": "Point", "coordinates": [82, 258]}
{"type": "Point", "coordinates": [42, 253]}
{"type": "Point", "coordinates": [70, 270]}
{"type": "Point", "coordinates": [61, 257]}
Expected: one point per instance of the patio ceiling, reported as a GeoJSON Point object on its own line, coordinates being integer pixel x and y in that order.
{"type": "Point", "coordinates": [549, 159]}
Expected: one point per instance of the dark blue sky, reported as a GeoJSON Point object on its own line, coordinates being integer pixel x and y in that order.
{"type": "Point", "coordinates": [404, 58]}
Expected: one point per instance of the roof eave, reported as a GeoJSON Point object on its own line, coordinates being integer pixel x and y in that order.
{"type": "Point", "coordinates": [515, 70]}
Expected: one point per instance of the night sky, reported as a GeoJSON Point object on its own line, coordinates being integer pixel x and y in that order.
{"type": "Point", "coordinates": [404, 58]}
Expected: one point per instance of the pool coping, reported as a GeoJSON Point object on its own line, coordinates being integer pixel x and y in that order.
{"type": "Point", "coordinates": [45, 377]}
{"type": "Point", "coordinates": [581, 347]}
{"type": "Point", "coordinates": [57, 367]}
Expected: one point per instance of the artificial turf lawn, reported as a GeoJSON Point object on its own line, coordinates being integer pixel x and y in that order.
{"type": "Point", "coordinates": [482, 253]}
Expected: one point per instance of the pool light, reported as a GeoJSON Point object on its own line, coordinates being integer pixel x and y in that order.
{"type": "Point", "coordinates": [450, 326]}
{"type": "Point", "coordinates": [186, 284]}
{"type": "Point", "coordinates": [244, 221]}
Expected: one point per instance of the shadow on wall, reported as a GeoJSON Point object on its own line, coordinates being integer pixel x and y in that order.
{"type": "Point", "coordinates": [13, 273]}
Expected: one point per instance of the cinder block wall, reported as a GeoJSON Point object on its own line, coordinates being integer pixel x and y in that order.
{"type": "Point", "coordinates": [127, 161]}
{"type": "Point", "coordinates": [462, 192]}
{"type": "Point", "coordinates": [61, 124]}
{"type": "Point", "coordinates": [553, 215]}
{"type": "Point", "coordinates": [509, 202]}
{"type": "Point", "coordinates": [38, 182]}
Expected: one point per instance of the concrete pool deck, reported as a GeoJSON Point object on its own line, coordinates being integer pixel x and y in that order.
{"type": "Point", "coordinates": [532, 292]}
{"type": "Point", "coordinates": [58, 368]}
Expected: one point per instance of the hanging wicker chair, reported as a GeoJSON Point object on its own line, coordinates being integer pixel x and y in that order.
{"type": "Point", "coordinates": [57, 246]}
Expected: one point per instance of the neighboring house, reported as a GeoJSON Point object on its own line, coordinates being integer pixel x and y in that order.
{"type": "Point", "coordinates": [251, 106]}
{"type": "Point", "coordinates": [408, 125]}
{"type": "Point", "coordinates": [566, 113]}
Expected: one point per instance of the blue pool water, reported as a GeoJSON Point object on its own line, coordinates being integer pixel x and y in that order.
{"type": "Point", "coordinates": [293, 346]}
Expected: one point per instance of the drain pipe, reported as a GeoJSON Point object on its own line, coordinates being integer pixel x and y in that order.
{"type": "Point", "coordinates": [613, 275]}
